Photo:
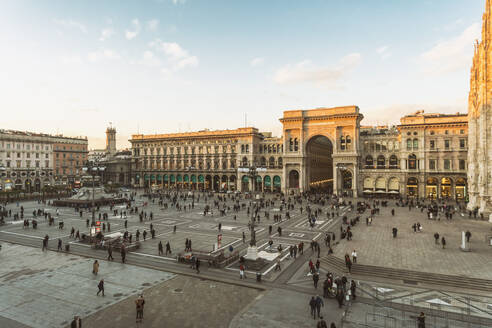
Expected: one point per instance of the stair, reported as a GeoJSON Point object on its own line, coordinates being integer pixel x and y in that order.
{"type": "Point", "coordinates": [332, 263]}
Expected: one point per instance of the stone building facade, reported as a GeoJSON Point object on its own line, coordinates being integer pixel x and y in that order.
{"type": "Point", "coordinates": [321, 149]}
{"type": "Point", "coordinates": [69, 156]}
{"type": "Point", "coordinates": [480, 121]}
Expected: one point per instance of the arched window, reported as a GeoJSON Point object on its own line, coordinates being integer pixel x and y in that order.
{"type": "Point", "coordinates": [271, 162]}
{"type": "Point", "coordinates": [378, 145]}
{"type": "Point", "coordinates": [263, 162]}
{"type": "Point", "coordinates": [242, 149]}
{"type": "Point", "coordinates": [291, 144]}
{"type": "Point", "coordinates": [369, 162]}
{"type": "Point", "coordinates": [381, 162]}
{"type": "Point", "coordinates": [393, 162]}
{"type": "Point", "coordinates": [412, 162]}
{"type": "Point", "coordinates": [296, 145]}
{"type": "Point", "coordinates": [409, 144]}
{"type": "Point", "coordinates": [348, 142]}
{"type": "Point", "coordinates": [342, 143]}
{"type": "Point", "coordinates": [280, 162]}
{"type": "Point", "coordinates": [269, 149]}
{"type": "Point", "coordinates": [415, 143]}
{"type": "Point", "coordinates": [244, 162]}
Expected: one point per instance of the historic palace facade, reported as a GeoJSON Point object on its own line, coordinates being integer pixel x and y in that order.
{"type": "Point", "coordinates": [324, 148]}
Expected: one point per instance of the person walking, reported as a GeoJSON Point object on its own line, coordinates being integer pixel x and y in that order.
{"type": "Point", "coordinates": [197, 265]}
{"type": "Point", "coordinates": [100, 286]}
{"type": "Point", "coordinates": [315, 279]}
{"type": "Point", "coordinates": [241, 272]}
{"type": "Point", "coordinates": [443, 242]}
{"type": "Point", "coordinates": [353, 288]}
{"type": "Point", "coordinates": [59, 245]}
{"type": "Point", "coordinates": [168, 248]}
{"type": "Point", "coordinates": [312, 305]}
{"type": "Point", "coordinates": [333, 325]}
{"type": "Point", "coordinates": [140, 302]}
{"type": "Point", "coordinates": [76, 322]}
{"type": "Point", "coordinates": [123, 254]}
{"type": "Point", "coordinates": [436, 238]}
{"type": "Point", "coordinates": [161, 248]}
{"type": "Point", "coordinates": [319, 304]}
{"type": "Point", "coordinates": [321, 323]}
{"type": "Point", "coordinates": [95, 267]}
{"type": "Point", "coordinates": [354, 256]}
{"type": "Point", "coordinates": [421, 320]}
{"type": "Point", "coordinates": [468, 236]}
{"type": "Point", "coordinates": [110, 253]}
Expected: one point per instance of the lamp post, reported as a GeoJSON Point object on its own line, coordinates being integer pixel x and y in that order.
{"type": "Point", "coordinates": [93, 168]}
{"type": "Point", "coordinates": [2, 173]}
{"type": "Point", "coordinates": [252, 172]}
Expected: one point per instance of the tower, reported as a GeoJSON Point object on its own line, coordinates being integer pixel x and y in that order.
{"type": "Point", "coordinates": [111, 140]}
{"type": "Point", "coordinates": [480, 122]}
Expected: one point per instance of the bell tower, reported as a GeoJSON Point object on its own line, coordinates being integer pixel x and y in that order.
{"type": "Point", "coordinates": [111, 140]}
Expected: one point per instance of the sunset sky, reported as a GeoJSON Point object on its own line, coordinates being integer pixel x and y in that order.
{"type": "Point", "coordinates": [167, 66]}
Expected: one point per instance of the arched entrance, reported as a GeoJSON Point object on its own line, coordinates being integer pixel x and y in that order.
{"type": "Point", "coordinates": [216, 183]}
{"type": "Point", "coordinates": [232, 182]}
{"type": "Point", "coordinates": [28, 185]}
{"type": "Point", "coordinates": [346, 182]}
{"type": "Point", "coordinates": [277, 183]}
{"type": "Point", "coordinates": [201, 182]}
{"type": "Point", "coordinates": [223, 183]}
{"type": "Point", "coordinates": [446, 191]}
{"type": "Point", "coordinates": [193, 181]}
{"type": "Point", "coordinates": [208, 182]}
{"type": "Point", "coordinates": [319, 175]}
{"type": "Point", "coordinates": [37, 185]}
{"type": "Point", "coordinates": [267, 183]}
{"type": "Point", "coordinates": [394, 186]}
{"type": "Point", "coordinates": [412, 187]}
{"type": "Point", "coordinates": [460, 189]}
{"type": "Point", "coordinates": [293, 179]}
{"type": "Point", "coordinates": [244, 183]}
{"type": "Point", "coordinates": [431, 188]}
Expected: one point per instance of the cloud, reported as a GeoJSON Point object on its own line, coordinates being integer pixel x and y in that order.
{"type": "Point", "coordinates": [104, 54]}
{"type": "Point", "coordinates": [71, 60]}
{"type": "Point", "coordinates": [452, 54]}
{"type": "Point", "coordinates": [152, 24]}
{"type": "Point", "coordinates": [257, 62]}
{"type": "Point", "coordinates": [306, 72]}
{"type": "Point", "coordinates": [106, 33]}
{"type": "Point", "coordinates": [69, 23]}
{"type": "Point", "coordinates": [149, 59]}
{"type": "Point", "coordinates": [131, 34]}
{"type": "Point", "coordinates": [177, 57]}
{"type": "Point", "coordinates": [383, 52]}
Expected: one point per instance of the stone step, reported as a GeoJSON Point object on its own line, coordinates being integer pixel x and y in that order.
{"type": "Point", "coordinates": [337, 264]}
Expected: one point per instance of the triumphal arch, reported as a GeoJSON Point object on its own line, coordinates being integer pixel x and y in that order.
{"type": "Point", "coordinates": [321, 150]}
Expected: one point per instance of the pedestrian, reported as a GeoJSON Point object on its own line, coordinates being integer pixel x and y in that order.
{"type": "Point", "coordinates": [312, 305]}
{"type": "Point", "coordinates": [110, 253]}
{"type": "Point", "coordinates": [321, 323]}
{"type": "Point", "coordinates": [161, 248]}
{"type": "Point", "coordinates": [197, 265]}
{"type": "Point", "coordinates": [354, 256]}
{"type": "Point", "coordinates": [95, 267]}
{"type": "Point", "coordinates": [59, 244]}
{"type": "Point", "coordinates": [353, 288]}
{"type": "Point", "coordinates": [140, 302]}
{"type": "Point", "coordinates": [76, 322]}
{"type": "Point", "coordinates": [319, 304]}
{"type": "Point", "coordinates": [123, 254]}
{"type": "Point", "coordinates": [315, 280]}
{"type": "Point", "coordinates": [241, 272]}
{"type": "Point", "coordinates": [436, 238]}
{"type": "Point", "coordinates": [421, 320]}
{"type": "Point", "coordinates": [333, 325]}
{"type": "Point", "coordinates": [468, 236]}
{"type": "Point", "coordinates": [443, 242]}
{"type": "Point", "coordinates": [100, 286]}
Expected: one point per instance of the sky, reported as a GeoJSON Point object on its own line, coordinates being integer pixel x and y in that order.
{"type": "Point", "coordinates": [164, 66]}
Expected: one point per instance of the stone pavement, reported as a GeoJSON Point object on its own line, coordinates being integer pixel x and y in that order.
{"type": "Point", "coordinates": [286, 309]}
{"type": "Point", "coordinates": [375, 244]}
{"type": "Point", "coordinates": [181, 302]}
{"type": "Point", "coordinates": [46, 289]}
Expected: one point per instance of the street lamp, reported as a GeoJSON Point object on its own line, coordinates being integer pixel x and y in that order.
{"type": "Point", "coordinates": [252, 172]}
{"type": "Point", "coordinates": [93, 168]}
{"type": "Point", "coordinates": [2, 173]}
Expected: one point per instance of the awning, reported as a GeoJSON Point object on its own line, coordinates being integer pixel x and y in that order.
{"type": "Point", "coordinates": [200, 179]}
{"type": "Point", "coordinates": [268, 181]}
{"type": "Point", "coordinates": [166, 178]}
{"type": "Point", "coordinates": [276, 181]}
{"type": "Point", "coordinates": [186, 178]}
{"type": "Point", "coordinates": [172, 178]}
{"type": "Point", "coordinates": [193, 178]}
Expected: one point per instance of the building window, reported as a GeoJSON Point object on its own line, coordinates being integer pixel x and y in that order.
{"type": "Point", "coordinates": [432, 144]}
{"type": "Point", "coordinates": [18, 155]}
{"type": "Point", "coordinates": [432, 133]}
{"type": "Point", "coordinates": [381, 162]}
{"type": "Point", "coordinates": [369, 162]}
{"type": "Point", "coordinates": [412, 162]}
{"type": "Point", "coordinates": [432, 164]}
{"type": "Point", "coordinates": [446, 132]}
{"type": "Point", "coordinates": [342, 143]}
{"type": "Point", "coordinates": [393, 162]}
{"type": "Point", "coordinates": [447, 164]}
{"type": "Point", "coordinates": [409, 144]}
{"type": "Point", "coordinates": [296, 144]}
{"type": "Point", "coordinates": [415, 143]}
{"type": "Point", "coordinates": [462, 143]}
{"type": "Point", "coordinates": [462, 164]}
{"type": "Point", "coordinates": [446, 144]}
{"type": "Point", "coordinates": [462, 131]}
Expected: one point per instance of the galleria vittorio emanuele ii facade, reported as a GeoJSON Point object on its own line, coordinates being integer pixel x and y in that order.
{"type": "Point", "coordinates": [330, 149]}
